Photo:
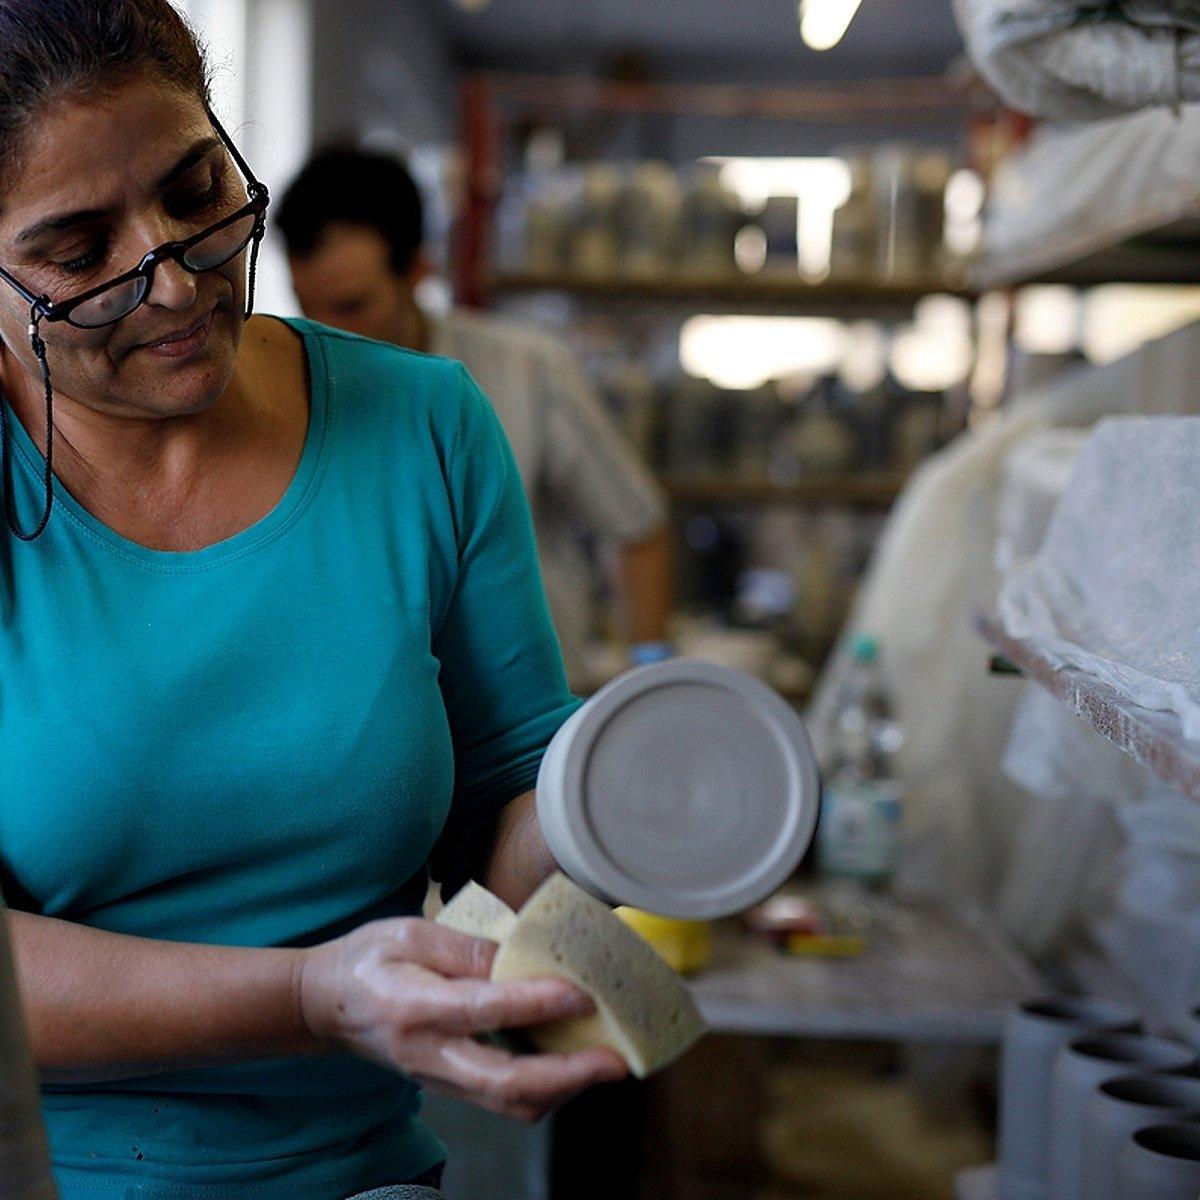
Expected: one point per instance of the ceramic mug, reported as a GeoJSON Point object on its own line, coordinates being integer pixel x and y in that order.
{"type": "Point", "coordinates": [1079, 1069]}
{"type": "Point", "coordinates": [1033, 1034]}
{"type": "Point", "coordinates": [1160, 1163]}
{"type": "Point", "coordinates": [1117, 1110]}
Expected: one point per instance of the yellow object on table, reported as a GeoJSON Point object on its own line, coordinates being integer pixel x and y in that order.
{"type": "Point", "coordinates": [826, 945]}
{"type": "Point", "coordinates": [684, 945]}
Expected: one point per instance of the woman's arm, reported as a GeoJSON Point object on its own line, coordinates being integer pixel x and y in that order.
{"type": "Point", "coordinates": [24, 1155]}
{"type": "Point", "coordinates": [520, 861]}
{"type": "Point", "coordinates": [105, 1006]}
{"type": "Point", "coordinates": [404, 993]}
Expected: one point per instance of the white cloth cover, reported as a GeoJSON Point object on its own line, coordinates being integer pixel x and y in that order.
{"type": "Point", "coordinates": [1074, 189]}
{"type": "Point", "coordinates": [1085, 60]}
{"type": "Point", "coordinates": [966, 823]}
{"type": "Point", "coordinates": [1115, 588]}
{"type": "Point", "coordinates": [1034, 478]}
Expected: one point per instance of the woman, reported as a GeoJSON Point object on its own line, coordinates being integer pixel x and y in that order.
{"type": "Point", "coordinates": [279, 645]}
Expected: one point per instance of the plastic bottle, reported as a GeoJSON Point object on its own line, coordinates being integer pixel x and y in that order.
{"type": "Point", "coordinates": [859, 833]}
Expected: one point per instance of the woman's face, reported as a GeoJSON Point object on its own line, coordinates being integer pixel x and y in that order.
{"type": "Point", "coordinates": [97, 184]}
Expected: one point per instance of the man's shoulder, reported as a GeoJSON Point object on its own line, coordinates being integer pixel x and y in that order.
{"type": "Point", "coordinates": [484, 329]}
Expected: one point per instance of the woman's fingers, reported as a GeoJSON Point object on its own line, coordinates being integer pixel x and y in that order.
{"type": "Point", "coordinates": [463, 1007]}
{"type": "Point", "coordinates": [446, 951]}
{"type": "Point", "coordinates": [426, 994]}
{"type": "Point", "coordinates": [525, 1087]}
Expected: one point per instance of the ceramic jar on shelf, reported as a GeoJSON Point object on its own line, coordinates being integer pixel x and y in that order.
{"type": "Point", "coordinates": [1033, 1035]}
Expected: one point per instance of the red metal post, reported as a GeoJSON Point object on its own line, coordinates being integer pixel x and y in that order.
{"type": "Point", "coordinates": [481, 149]}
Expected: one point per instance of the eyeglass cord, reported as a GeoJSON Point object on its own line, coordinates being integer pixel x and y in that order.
{"type": "Point", "coordinates": [39, 349]}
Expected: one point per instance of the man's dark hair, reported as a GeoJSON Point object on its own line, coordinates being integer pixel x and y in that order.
{"type": "Point", "coordinates": [56, 50]}
{"type": "Point", "coordinates": [347, 185]}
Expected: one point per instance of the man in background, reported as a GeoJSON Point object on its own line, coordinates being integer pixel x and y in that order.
{"type": "Point", "coordinates": [353, 222]}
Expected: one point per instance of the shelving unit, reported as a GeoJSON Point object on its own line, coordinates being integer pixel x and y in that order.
{"type": "Point", "coordinates": [495, 105]}
{"type": "Point", "coordinates": [752, 294]}
{"type": "Point", "coordinates": [492, 101]}
{"type": "Point", "coordinates": [1153, 739]}
{"type": "Point", "coordinates": [863, 490]}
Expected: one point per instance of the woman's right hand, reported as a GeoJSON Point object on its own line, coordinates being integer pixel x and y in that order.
{"type": "Point", "coordinates": [413, 996]}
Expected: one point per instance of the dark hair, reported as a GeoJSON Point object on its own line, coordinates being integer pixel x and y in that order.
{"type": "Point", "coordinates": [52, 50]}
{"type": "Point", "coordinates": [358, 187]}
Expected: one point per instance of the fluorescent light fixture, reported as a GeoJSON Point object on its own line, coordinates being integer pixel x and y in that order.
{"type": "Point", "coordinates": [823, 23]}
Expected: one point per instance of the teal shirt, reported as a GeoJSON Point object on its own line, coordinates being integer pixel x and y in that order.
{"type": "Point", "coordinates": [265, 743]}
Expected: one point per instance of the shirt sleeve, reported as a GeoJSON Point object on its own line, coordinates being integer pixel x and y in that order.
{"type": "Point", "coordinates": [591, 470]}
{"type": "Point", "coordinates": [501, 672]}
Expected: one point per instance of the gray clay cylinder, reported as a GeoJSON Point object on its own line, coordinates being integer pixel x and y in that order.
{"type": "Point", "coordinates": [1117, 1110]}
{"type": "Point", "coordinates": [683, 788]}
{"type": "Point", "coordinates": [1160, 1163]}
{"type": "Point", "coordinates": [1079, 1069]}
{"type": "Point", "coordinates": [1033, 1035]}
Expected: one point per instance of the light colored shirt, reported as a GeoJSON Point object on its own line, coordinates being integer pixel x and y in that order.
{"type": "Point", "coordinates": [580, 474]}
{"type": "Point", "coordinates": [262, 743]}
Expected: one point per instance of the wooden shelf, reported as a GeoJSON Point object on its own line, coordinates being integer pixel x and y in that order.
{"type": "Point", "coordinates": [874, 490]}
{"type": "Point", "coordinates": [1153, 739]}
{"type": "Point", "coordinates": [731, 293]}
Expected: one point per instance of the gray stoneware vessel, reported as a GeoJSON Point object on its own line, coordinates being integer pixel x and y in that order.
{"type": "Point", "coordinates": [1079, 1069]}
{"type": "Point", "coordinates": [1160, 1163]}
{"type": "Point", "coordinates": [1033, 1034]}
{"type": "Point", "coordinates": [683, 788]}
{"type": "Point", "coordinates": [1117, 1110]}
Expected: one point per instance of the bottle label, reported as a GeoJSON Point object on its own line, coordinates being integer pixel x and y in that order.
{"type": "Point", "coordinates": [859, 834]}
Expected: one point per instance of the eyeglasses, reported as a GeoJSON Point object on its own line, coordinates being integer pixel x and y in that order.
{"type": "Point", "coordinates": [205, 251]}
{"type": "Point", "coordinates": [115, 300]}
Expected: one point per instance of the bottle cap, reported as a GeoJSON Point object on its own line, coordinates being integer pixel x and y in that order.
{"type": "Point", "coordinates": [864, 648]}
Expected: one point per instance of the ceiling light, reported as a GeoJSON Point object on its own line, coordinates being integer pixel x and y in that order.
{"type": "Point", "coordinates": [823, 23]}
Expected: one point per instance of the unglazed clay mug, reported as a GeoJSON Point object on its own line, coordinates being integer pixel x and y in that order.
{"type": "Point", "coordinates": [1160, 1163]}
{"type": "Point", "coordinates": [1117, 1110]}
{"type": "Point", "coordinates": [1079, 1069]}
{"type": "Point", "coordinates": [1033, 1034]}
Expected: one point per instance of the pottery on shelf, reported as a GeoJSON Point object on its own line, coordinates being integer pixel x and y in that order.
{"type": "Point", "coordinates": [1033, 1034]}
{"type": "Point", "coordinates": [1160, 1163]}
{"type": "Point", "coordinates": [1079, 1069]}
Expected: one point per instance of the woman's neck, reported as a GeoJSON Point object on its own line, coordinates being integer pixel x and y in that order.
{"type": "Point", "coordinates": [178, 481]}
